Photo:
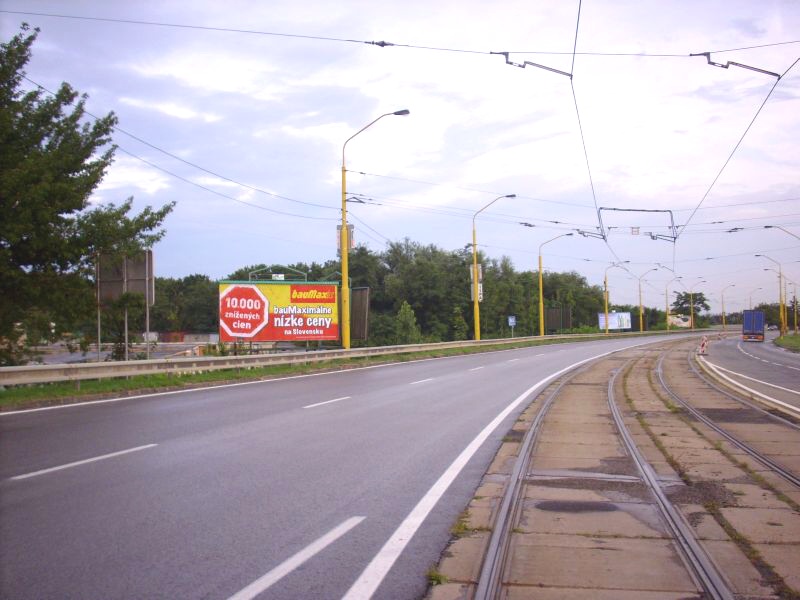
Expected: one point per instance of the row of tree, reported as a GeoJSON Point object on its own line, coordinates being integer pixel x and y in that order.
{"type": "Point", "coordinates": [419, 292]}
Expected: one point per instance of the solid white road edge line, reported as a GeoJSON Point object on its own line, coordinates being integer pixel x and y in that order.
{"type": "Point", "coordinates": [82, 462]}
{"type": "Point", "coordinates": [769, 399]}
{"type": "Point", "coordinates": [327, 402]}
{"type": "Point", "coordinates": [772, 385]}
{"type": "Point", "coordinates": [291, 563]}
{"type": "Point", "coordinates": [379, 566]}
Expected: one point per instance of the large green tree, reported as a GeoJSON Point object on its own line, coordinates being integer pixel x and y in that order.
{"type": "Point", "coordinates": [52, 157]}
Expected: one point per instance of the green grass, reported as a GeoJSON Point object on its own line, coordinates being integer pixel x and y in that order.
{"type": "Point", "coordinates": [790, 342]}
{"type": "Point", "coordinates": [26, 396]}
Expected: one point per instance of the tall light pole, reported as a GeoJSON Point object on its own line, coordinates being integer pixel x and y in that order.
{"type": "Point", "coordinates": [476, 311]}
{"type": "Point", "coordinates": [541, 283]}
{"type": "Point", "coordinates": [666, 296]}
{"type": "Point", "coordinates": [781, 310]}
{"type": "Point", "coordinates": [605, 285]}
{"type": "Point", "coordinates": [344, 240]}
{"type": "Point", "coordinates": [641, 308]}
{"type": "Point", "coordinates": [722, 296]}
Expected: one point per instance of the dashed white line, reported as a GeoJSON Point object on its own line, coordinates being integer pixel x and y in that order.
{"type": "Point", "coordinates": [476, 369]}
{"type": "Point", "coordinates": [293, 562]}
{"type": "Point", "coordinates": [513, 360]}
{"type": "Point", "coordinates": [421, 381]}
{"type": "Point", "coordinates": [82, 462]}
{"type": "Point", "coordinates": [327, 402]}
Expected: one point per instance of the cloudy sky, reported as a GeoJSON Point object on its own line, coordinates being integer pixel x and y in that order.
{"type": "Point", "coordinates": [239, 111]}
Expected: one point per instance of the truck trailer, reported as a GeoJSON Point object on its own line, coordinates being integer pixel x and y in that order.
{"type": "Point", "coordinates": [753, 325]}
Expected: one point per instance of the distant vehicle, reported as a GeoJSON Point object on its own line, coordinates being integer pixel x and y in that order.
{"type": "Point", "coordinates": [753, 323]}
{"type": "Point", "coordinates": [772, 328]}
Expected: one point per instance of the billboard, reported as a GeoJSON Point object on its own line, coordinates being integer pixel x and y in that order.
{"type": "Point", "coordinates": [616, 320]}
{"type": "Point", "coordinates": [277, 311]}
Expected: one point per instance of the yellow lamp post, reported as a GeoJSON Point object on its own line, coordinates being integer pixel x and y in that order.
{"type": "Point", "coordinates": [781, 306]}
{"type": "Point", "coordinates": [722, 296]}
{"type": "Point", "coordinates": [476, 311]}
{"type": "Point", "coordinates": [641, 308]}
{"type": "Point", "coordinates": [541, 283]}
{"type": "Point", "coordinates": [344, 240]}
{"type": "Point", "coordinates": [605, 285]}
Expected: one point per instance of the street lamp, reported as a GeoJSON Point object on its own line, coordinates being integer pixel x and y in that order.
{"type": "Point", "coordinates": [605, 285]}
{"type": "Point", "coordinates": [541, 283]}
{"type": "Point", "coordinates": [641, 308]}
{"type": "Point", "coordinates": [344, 240]}
{"type": "Point", "coordinates": [781, 309]}
{"type": "Point", "coordinates": [782, 229]}
{"type": "Point", "coordinates": [476, 312]}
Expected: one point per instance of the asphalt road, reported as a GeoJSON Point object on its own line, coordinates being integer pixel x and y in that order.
{"type": "Point", "coordinates": [757, 362]}
{"type": "Point", "coordinates": [305, 487]}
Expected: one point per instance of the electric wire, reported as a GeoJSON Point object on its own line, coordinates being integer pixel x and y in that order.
{"type": "Point", "coordinates": [736, 147]}
{"type": "Point", "coordinates": [218, 193]}
{"type": "Point", "coordinates": [191, 164]}
{"type": "Point", "coordinates": [381, 44]}
{"type": "Point", "coordinates": [467, 189]}
{"type": "Point", "coordinates": [376, 232]}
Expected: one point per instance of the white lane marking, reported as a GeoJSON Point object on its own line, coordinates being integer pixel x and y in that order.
{"type": "Point", "coordinates": [374, 573]}
{"type": "Point", "coordinates": [421, 381]}
{"type": "Point", "coordinates": [793, 409]}
{"type": "Point", "coordinates": [327, 402]}
{"type": "Point", "coordinates": [752, 378]}
{"type": "Point", "coordinates": [746, 353]}
{"type": "Point", "coordinates": [293, 562]}
{"type": "Point", "coordinates": [82, 462]}
{"type": "Point", "coordinates": [513, 360]}
{"type": "Point", "coordinates": [476, 369]}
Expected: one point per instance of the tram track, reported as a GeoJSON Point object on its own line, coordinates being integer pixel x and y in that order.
{"type": "Point", "coordinates": [619, 486]}
{"type": "Point", "coordinates": [698, 414]}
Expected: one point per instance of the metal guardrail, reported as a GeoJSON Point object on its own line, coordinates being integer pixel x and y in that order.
{"type": "Point", "coordinates": [34, 374]}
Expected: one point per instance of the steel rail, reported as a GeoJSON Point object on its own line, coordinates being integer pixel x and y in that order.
{"type": "Point", "coordinates": [752, 452]}
{"type": "Point", "coordinates": [490, 580]}
{"type": "Point", "coordinates": [693, 553]}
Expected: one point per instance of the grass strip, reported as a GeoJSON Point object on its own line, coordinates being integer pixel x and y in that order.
{"type": "Point", "coordinates": [48, 394]}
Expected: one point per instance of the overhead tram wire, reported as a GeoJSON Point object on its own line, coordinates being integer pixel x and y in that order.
{"type": "Point", "coordinates": [208, 189]}
{"type": "Point", "coordinates": [583, 139]}
{"type": "Point", "coordinates": [467, 189]}
{"type": "Point", "coordinates": [381, 44]}
{"type": "Point", "coordinates": [454, 211]}
{"type": "Point", "coordinates": [191, 164]}
{"type": "Point", "coordinates": [736, 147]}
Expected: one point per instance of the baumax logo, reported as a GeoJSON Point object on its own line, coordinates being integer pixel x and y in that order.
{"type": "Point", "coordinates": [314, 294]}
